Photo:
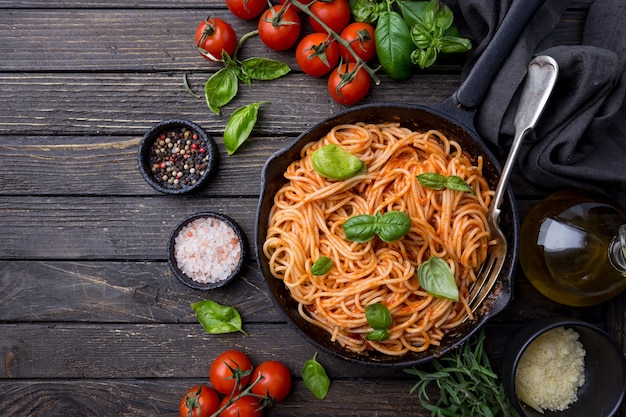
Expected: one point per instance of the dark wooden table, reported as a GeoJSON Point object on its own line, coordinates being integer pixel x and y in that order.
{"type": "Point", "coordinates": [92, 322]}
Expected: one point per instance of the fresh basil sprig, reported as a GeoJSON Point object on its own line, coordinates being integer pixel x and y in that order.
{"type": "Point", "coordinates": [335, 163]}
{"type": "Point", "coordinates": [315, 378]}
{"type": "Point", "coordinates": [240, 125]}
{"type": "Point", "coordinates": [322, 265]}
{"type": "Point", "coordinates": [439, 182]}
{"type": "Point", "coordinates": [217, 318]}
{"type": "Point", "coordinates": [223, 86]}
{"type": "Point", "coordinates": [390, 226]}
{"type": "Point", "coordinates": [437, 279]}
{"type": "Point", "coordinates": [379, 317]}
{"type": "Point", "coordinates": [429, 32]}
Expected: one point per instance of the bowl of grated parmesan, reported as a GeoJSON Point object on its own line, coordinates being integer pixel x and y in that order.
{"type": "Point", "coordinates": [207, 250]}
{"type": "Point", "coordinates": [563, 367]}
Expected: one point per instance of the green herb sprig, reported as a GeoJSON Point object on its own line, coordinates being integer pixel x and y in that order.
{"type": "Point", "coordinates": [439, 182]}
{"type": "Point", "coordinates": [390, 226]}
{"type": "Point", "coordinates": [466, 382]}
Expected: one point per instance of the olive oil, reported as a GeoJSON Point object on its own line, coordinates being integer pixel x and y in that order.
{"type": "Point", "coordinates": [573, 248]}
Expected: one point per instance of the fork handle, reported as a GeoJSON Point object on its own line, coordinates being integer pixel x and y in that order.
{"type": "Point", "coordinates": [540, 81]}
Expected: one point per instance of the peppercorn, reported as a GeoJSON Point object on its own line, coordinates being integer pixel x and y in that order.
{"type": "Point", "coordinates": [178, 158]}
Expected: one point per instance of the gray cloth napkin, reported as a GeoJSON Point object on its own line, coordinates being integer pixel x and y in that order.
{"type": "Point", "coordinates": [580, 141]}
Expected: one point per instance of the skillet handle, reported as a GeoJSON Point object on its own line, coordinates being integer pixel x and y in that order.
{"type": "Point", "coordinates": [475, 87]}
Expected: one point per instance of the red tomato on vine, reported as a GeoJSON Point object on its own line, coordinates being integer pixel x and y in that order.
{"type": "Point", "coordinates": [246, 9]}
{"type": "Point", "coordinates": [317, 54]}
{"type": "Point", "coordinates": [348, 83]}
{"type": "Point", "coordinates": [199, 401]}
{"type": "Point", "coordinates": [334, 13]}
{"type": "Point", "coordinates": [279, 28]}
{"type": "Point", "coordinates": [213, 36]}
{"type": "Point", "coordinates": [360, 36]}
{"type": "Point", "coordinates": [230, 372]}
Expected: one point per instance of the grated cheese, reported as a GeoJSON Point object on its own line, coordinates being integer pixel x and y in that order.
{"type": "Point", "coordinates": [551, 370]}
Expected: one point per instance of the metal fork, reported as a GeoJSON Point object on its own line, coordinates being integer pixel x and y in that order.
{"type": "Point", "coordinates": [540, 80]}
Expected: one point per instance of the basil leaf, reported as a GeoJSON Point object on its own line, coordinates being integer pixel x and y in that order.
{"type": "Point", "coordinates": [378, 335]}
{"type": "Point", "coordinates": [443, 15]}
{"type": "Point", "coordinates": [220, 89]}
{"type": "Point", "coordinates": [458, 184]}
{"type": "Point", "coordinates": [412, 11]}
{"type": "Point", "coordinates": [453, 44]}
{"type": "Point", "coordinates": [393, 225]}
{"type": "Point", "coordinates": [439, 182]}
{"type": "Point", "coordinates": [424, 57]}
{"type": "Point", "coordinates": [315, 378]}
{"type": "Point", "coordinates": [389, 227]}
{"type": "Point", "coordinates": [333, 162]}
{"type": "Point", "coordinates": [321, 266]}
{"type": "Point", "coordinates": [239, 126]}
{"type": "Point", "coordinates": [360, 228]}
{"type": "Point", "coordinates": [436, 278]}
{"type": "Point", "coordinates": [378, 316]}
{"type": "Point", "coordinates": [264, 69]}
{"type": "Point", "coordinates": [394, 45]}
{"type": "Point", "coordinates": [366, 10]}
{"type": "Point", "coordinates": [217, 318]}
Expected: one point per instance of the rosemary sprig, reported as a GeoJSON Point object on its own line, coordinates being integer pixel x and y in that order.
{"type": "Point", "coordinates": [467, 384]}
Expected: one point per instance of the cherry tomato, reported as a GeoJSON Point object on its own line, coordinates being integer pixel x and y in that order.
{"type": "Point", "coordinates": [279, 28]}
{"type": "Point", "coordinates": [246, 406]}
{"type": "Point", "coordinates": [230, 372]}
{"type": "Point", "coordinates": [214, 35]}
{"type": "Point", "coordinates": [335, 13]}
{"type": "Point", "coordinates": [276, 381]}
{"type": "Point", "coordinates": [199, 401]}
{"type": "Point", "coordinates": [317, 54]}
{"type": "Point", "coordinates": [348, 83]}
{"type": "Point", "coordinates": [246, 9]}
{"type": "Point", "coordinates": [360, 36]}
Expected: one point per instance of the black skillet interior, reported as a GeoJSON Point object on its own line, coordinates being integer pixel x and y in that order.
{"type": "Point", "coordinates": [454, 118]}
{"type": "Point", "coordinates": [416, 118]}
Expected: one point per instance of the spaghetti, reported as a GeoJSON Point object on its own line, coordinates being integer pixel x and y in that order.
{"type": "Point", "coordinates": [306, 223]}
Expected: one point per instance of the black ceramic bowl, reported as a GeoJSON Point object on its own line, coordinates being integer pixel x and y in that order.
{"type": "Point", "coordinates": [605, 371]}
{"type": "Point", "coordinates": [195, 164]}
{"type": "Point", "coordinates": [235, 265]}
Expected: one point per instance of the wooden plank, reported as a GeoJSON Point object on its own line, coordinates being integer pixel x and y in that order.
{"type": "Point", "coordinates": [155, 39]}
{"type": "Point", "coordinates": [89, 104]}
{"type": "Point", "coordinates": [160, 397]}
{"type": "Point", "coordinates": [105, 165]}
{"type": "Point", "coordinates": [115, 292]}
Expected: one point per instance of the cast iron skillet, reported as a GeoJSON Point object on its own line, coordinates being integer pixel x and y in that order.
{"type": "Point", "coordinates": [455, 118]}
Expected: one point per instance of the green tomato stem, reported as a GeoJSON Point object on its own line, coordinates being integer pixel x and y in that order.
{"type": "Point", "coordinates": [360, 63]}
{"type": "Point", "coordinates": [242, 40]}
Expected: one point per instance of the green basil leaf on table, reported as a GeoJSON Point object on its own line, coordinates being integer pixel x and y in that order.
{"type": "Point", "coordinates": [315, 378]}
{"type": "Point", "coordinates": [335, 163]}
{"type": "Point", "coordinates": [264, 69]}
{"type": "Point", "coordinates": [436, 278]}
{"type": "Point", "coordinates": [394, 45]}
{"type": "Point", "coordinates": [217, 318]}
{"type": "Point", "coordinates": [366, 11]}
{"type": "Point", "coordinates": [240, 125]}
{"type": "Point", "coordinates": [322, 265]}
{"type": "Point", "coordinates": [455, 45]}
{"type": "Point", "coordinates": [378, 316]}
{"type": "Point", "coordinates": [221, 88]}
{"type": "Point", "coordinates": [412, 11]}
